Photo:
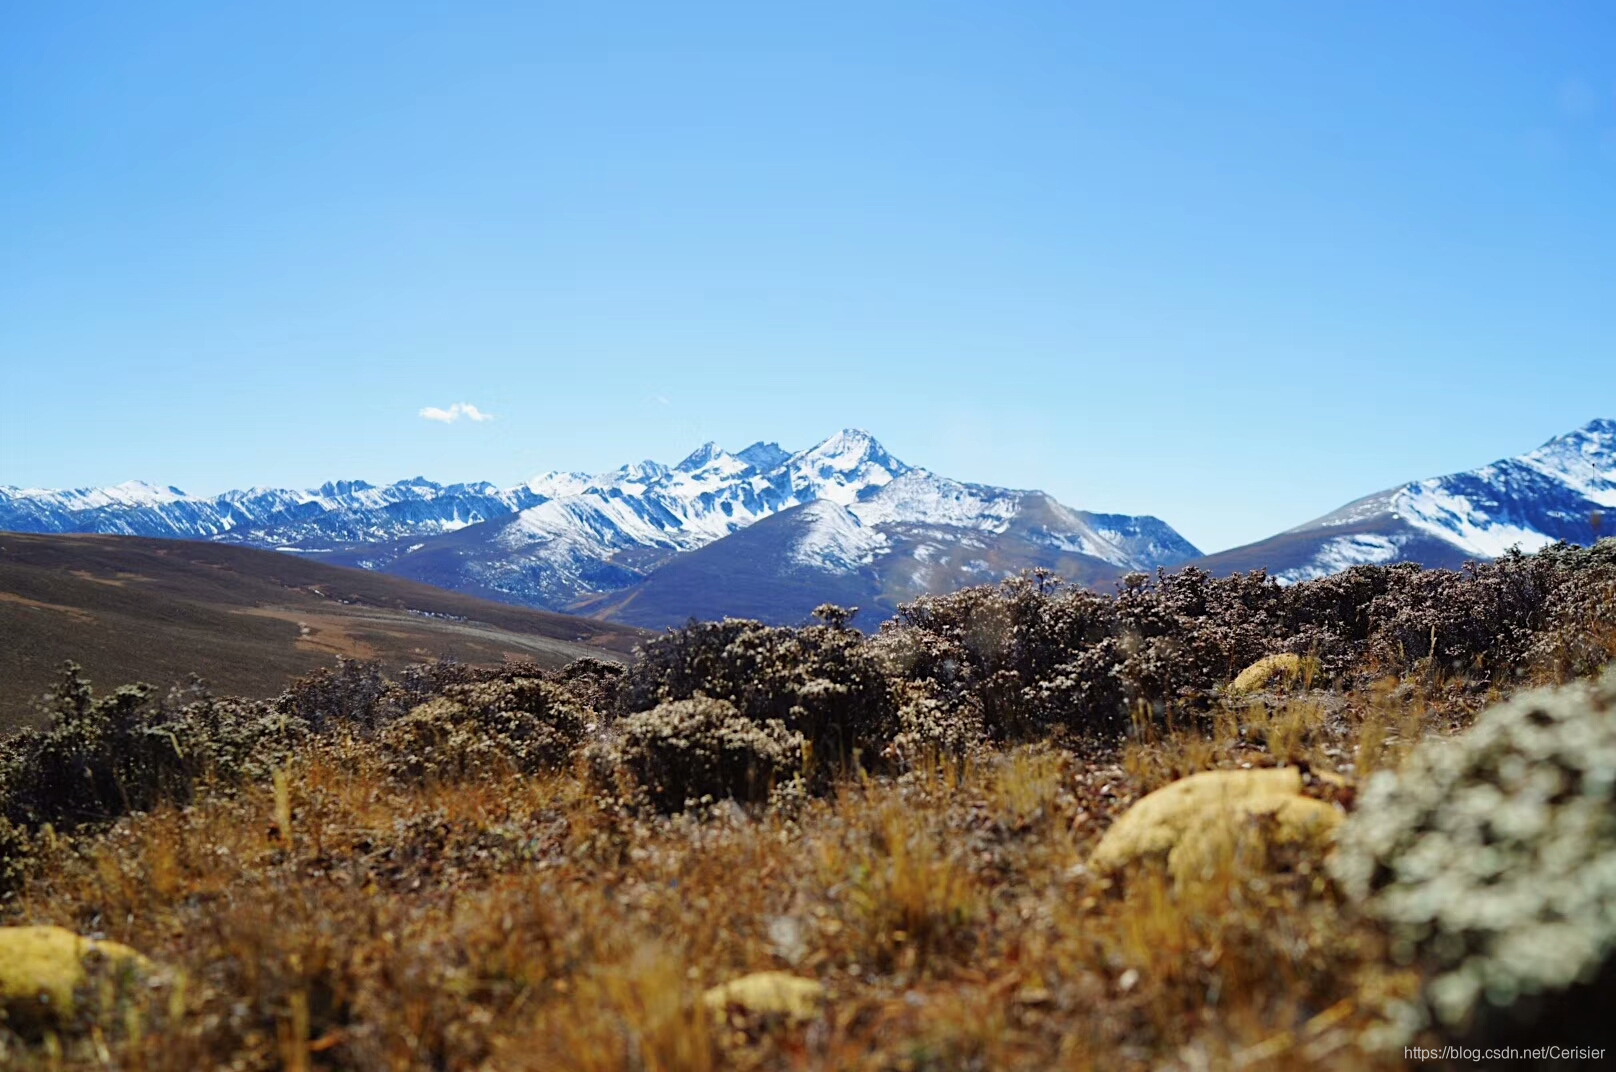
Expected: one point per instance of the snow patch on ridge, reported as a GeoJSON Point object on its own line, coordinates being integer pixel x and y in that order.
{"type": "Point", "coordinates": [833, 539]}
{"type": "Point", "coordinates": [1342, 553]}
{"type": "Point", "coordinates": [921, 497]}
{"type": "Point", "coordinates": [1430, 507]}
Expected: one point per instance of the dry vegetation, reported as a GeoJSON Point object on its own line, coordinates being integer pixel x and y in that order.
{"type": "Point", "coordinates": [250, 621]}
{"type": "Point", "coordinates": [530, 869]}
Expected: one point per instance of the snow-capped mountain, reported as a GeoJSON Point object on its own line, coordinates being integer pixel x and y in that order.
{"type": "Point", "coordinates": [342, 512]}
{"type": "Point", "coordinates": [854, 508]}
{"type": "Point", "coordinates": [709, 495]}
{"type": "Point", "coordinates": [914, 535]}
{"type": "Point", "coordinates": [847, 509]}
{"type": "Point", "coordinates": [1563, 490]}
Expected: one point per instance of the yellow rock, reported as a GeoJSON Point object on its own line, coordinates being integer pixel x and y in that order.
{"type": "Point", "coordinates": [50, 976]}
{"type": "Point", "coordinates": [1288, 668]}
{"type": "Point", "coordinates": [768, 993]}
{"type": "Point", "coordinates": [1252, 830]}
{"type": "Point", "coordinates": [1195, 821]}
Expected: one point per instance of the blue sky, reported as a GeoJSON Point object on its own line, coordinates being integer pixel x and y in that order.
{"type": "Point", "coordinates": [1230, 264]}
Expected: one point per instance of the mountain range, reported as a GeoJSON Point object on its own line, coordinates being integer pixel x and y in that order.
{"type": "Point", "coordinates": [768, 533]}
{"type": "Point", "coordinates": [761, 531]}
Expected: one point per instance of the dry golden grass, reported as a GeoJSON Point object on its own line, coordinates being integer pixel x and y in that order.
{"type": "Point", "coordinates": [336, 919]}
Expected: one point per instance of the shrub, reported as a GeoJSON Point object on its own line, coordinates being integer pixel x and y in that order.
{"type": "Point", "coordinates": [354, 692]}
{"type": "Point", "coordinates": [822, 682]}
{"type": "Point", "coordinates": [522, 725]}
{"type": "Point", "coordinates": [931, 728]}
{"type": "Point", "coordinates": [698, 750]}
{"type": "Point", "coordinates": [1492, 858]}
{"type": "Point", "coordinates": [1033, 655]}
{"type": "Point", "coordinates": [1030, 656]}
{"type": "Point", "coordinates": [591, 683]}
{"type": "Point", "coordinates": [102, 757]}
{"type": "Point", "coordinates": [1578, 634]}
{"type": "Point", "coordinates": [15, 854]}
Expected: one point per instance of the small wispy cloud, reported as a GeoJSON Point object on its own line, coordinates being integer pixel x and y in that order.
{"type": "Point", "coordinates": [456, 411]}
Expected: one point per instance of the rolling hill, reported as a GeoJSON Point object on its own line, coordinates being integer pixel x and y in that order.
{"type": "Point", "coordinates": [130, 608]}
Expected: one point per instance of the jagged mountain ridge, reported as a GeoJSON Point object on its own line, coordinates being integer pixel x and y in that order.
{"type": "Point", "coordinates": [1562, 490]}
{"type": "Point", "coordinates": [569, 540]}
{"type": "Point", "coordinates": [589, 547]}
{"type": "Point", "coordinates": [340, 512]}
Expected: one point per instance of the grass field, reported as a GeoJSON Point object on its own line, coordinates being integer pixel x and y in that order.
{"type": "Point", "coordinates": [248, 621]}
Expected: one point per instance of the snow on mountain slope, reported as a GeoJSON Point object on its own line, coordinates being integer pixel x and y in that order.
{"type": "Point", "coordinates": [1560, 491]}
{"type": "Point", "coordinates": [640, 516]}
{"type": "Point", "coordinates": [834, 540]}
{"type": "Point", "coordinates": [918, 497]}
{"type": "Point", "coordinates": [707, 496]}
{"type": "Point", "coordinates": [339, 512]}
{"type": "Point", "coordinates": [563, 538]}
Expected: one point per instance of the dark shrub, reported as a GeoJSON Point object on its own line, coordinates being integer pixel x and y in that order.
{"type": "Point", "coordinates": [1578, 634]}
{"type": "Point", "coordinates": [524, 725]}
{"type": "Point", "coordinates": [355, 693]}
{"type": "Point", "coordinates": [1013, 652]}
{"type": "Point", "coordinates": [102, 757]}
{"type": "Point", "coordinates": [15, 852]}
{"type": "Point", "coordinates": [1030, 656]}
{"type": "Point", "coordinates": [1033, 655]}
{"type": "Point", "coordinates": [932, 728]}
{"type": "Point", "coordinates": [591, 683]}
{"type": "Point", "coordinates": [696, 751]}
{"type": "Point", "coordinates": [822, 682]}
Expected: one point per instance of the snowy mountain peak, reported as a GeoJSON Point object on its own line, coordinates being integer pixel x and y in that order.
{"type": "Point", "coordinates": [333, 488]}
{"type": "Point", "coordinates": [764, 456]}
{"type": "Point", "coordinates": [645, 472]}
{"type": "Point", "coordinates": [843, 468]}
{"type": "Point", "coordinates": [847, 450]}
{"type": "Point", "coordinates": [700, 457]}
{"type": "Point", "coordinates": [138, 492]}
{"type": "Point", "coordinates": [1583, 460]}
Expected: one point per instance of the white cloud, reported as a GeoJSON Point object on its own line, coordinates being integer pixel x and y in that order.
{"type": "Point", "coordinates": [456, 411]}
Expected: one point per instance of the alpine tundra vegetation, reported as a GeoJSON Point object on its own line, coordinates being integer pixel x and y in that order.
{"type": "Point", "coordinates": [1195, 823]}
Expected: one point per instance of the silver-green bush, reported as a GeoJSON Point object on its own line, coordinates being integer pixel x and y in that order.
{"type": "Point", "coordinates": [1492, 860]}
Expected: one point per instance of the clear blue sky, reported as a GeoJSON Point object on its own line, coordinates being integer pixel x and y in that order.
{"type": "Point", "coordinates": [1230, 264]}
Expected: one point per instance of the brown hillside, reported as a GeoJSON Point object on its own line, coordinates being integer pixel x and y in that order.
{"type": "Point", "coordinates": [246, 620]}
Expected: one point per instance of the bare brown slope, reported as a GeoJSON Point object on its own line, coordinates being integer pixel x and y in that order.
{"type": "Point", "coordinates": [130, 608]}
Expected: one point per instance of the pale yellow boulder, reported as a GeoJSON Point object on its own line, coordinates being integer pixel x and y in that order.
{"type": "Point", "coordinates": [51, 977]}
{"type": "Point", "coordinates": [1255, 832]}
{"type": "Point", "coordinates": [1194, 822]}
{"type": "Point", "coordinates": [767, 993]}
{"type": "Point", "coordinates": [1286, 669]}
